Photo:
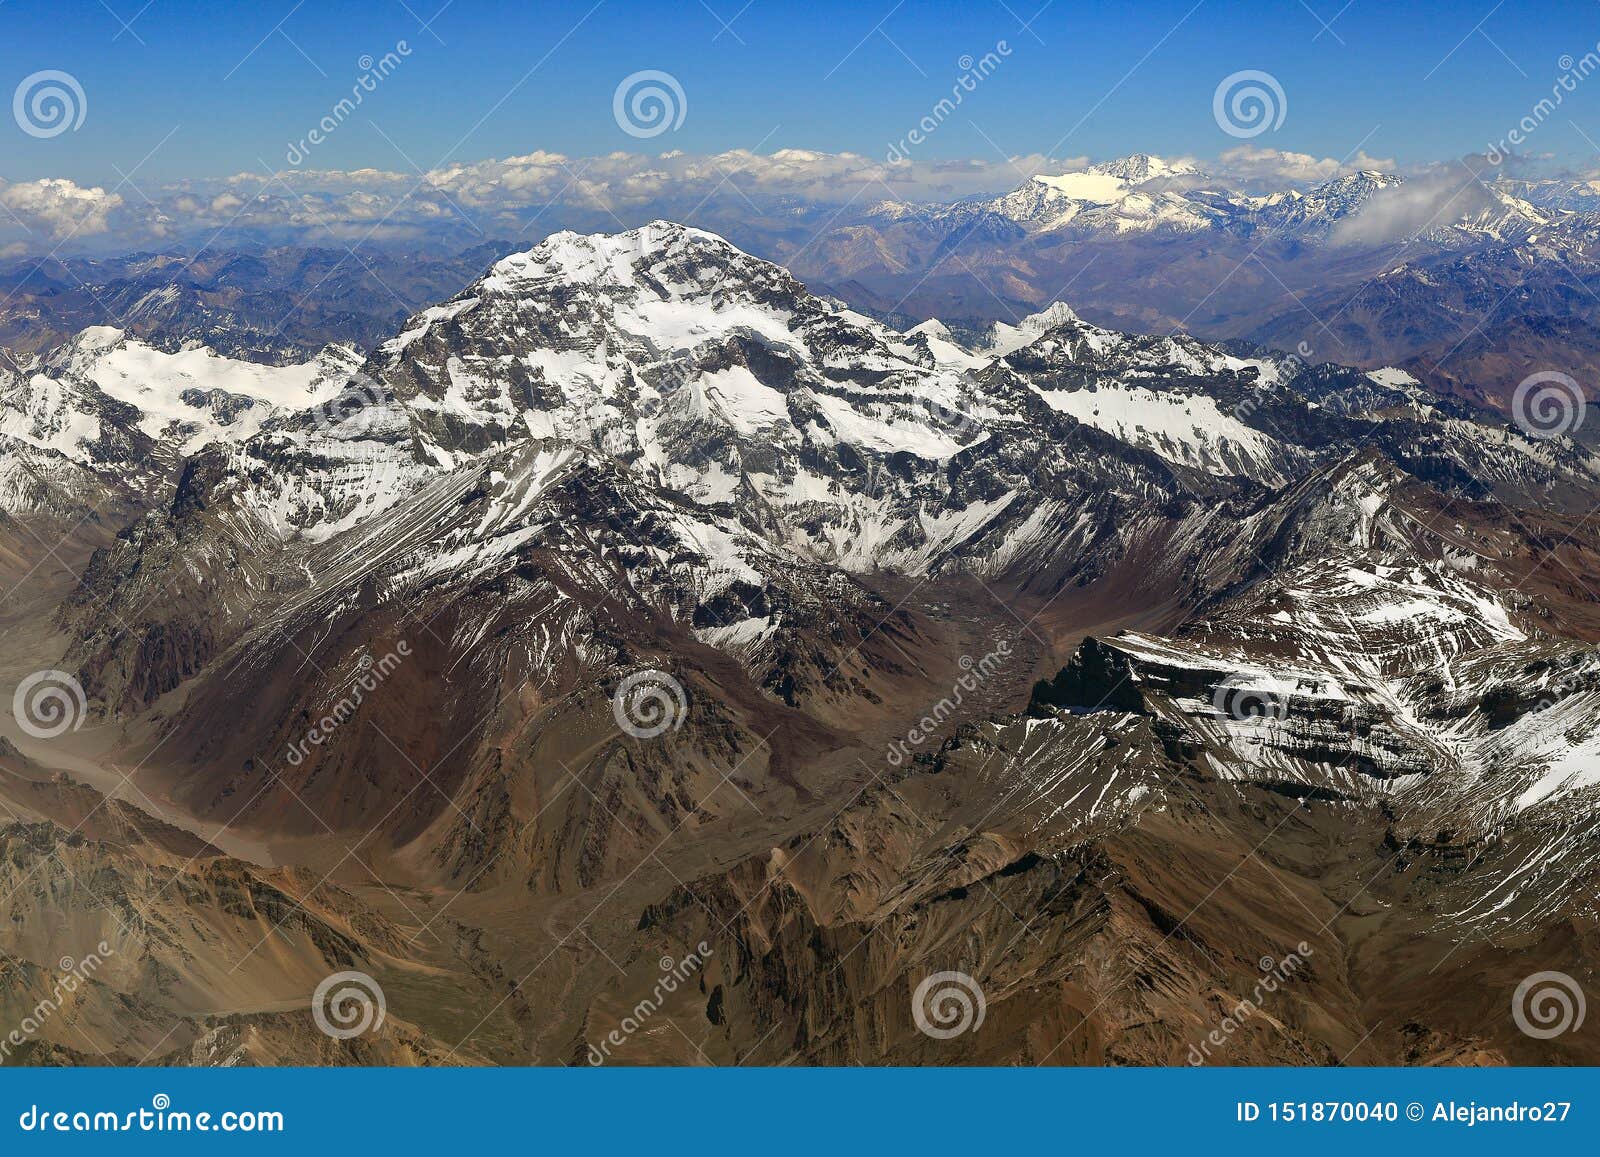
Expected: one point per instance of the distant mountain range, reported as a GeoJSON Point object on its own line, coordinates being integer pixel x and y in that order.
{"type": "Point", "coordinates": [271, 305]}
{"type": "Point", "coordinates": [1366, 269]}
{"type": "Point", "coordinates": [1097, 666]}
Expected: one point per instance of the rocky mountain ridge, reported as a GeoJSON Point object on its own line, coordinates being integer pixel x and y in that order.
{"type": "Point", "coordinates": [1318, 611]}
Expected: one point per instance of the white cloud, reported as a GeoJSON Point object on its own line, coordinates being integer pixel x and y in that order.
{"type": "Point", "coordinates": [1275, 166]}
{"type": "Point", "coordinates": [1431, 199]}
{"type": "Point", "coordinates": [524, 197]}
{"type": "Point", "coordinates": [628, 179]}
{"type": "Point", "coordinates": [513, 197]}
{"type": "Point", "coordinates": [58, 208]}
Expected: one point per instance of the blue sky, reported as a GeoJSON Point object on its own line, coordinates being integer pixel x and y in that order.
{"type": "Point", "coordinates": [205, 88]}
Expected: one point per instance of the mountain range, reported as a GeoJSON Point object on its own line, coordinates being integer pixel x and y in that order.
{"type": "Point", "coordinates": [634, 604]}
{"type": "Point", "coordinates": [1367, 268]}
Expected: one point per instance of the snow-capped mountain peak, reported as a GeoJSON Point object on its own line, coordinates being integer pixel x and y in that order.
{"type": "Point", "coordinates": [106, 397]}
{"type": "Point", "coordinates": [680, 261]}
{"type": "Point", "coordinates": [1129, 195]}
{"type": "Point", "coordinates": [1005, 338]}
{"type": "Point", "coordinates": [1141, 167]}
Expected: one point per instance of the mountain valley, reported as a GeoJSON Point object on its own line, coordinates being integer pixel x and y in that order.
{"type": "Point", "coordinates": [629, 610]}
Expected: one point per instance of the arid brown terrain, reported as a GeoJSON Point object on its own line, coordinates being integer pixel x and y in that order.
{"type": "Point", "coordinates": [637, 659]}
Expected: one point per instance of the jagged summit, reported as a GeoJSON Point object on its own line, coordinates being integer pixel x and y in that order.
{"type": "Point", "coordinates": [1138, 168]}
{"type": "Point", "coordinates": [660, 247]}
{"type": "Point", "coordinates": [1006, 338]}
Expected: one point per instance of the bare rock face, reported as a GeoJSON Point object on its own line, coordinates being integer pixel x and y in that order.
{"type": "Point", "coordinates": [639, 659]}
